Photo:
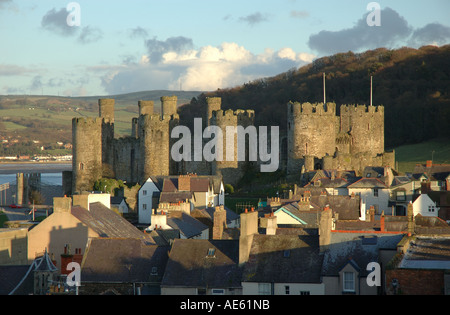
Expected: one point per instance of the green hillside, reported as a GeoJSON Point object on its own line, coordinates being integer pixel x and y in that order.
{"type": "Point", "coordinates": [48, 119]}
{"type": "Point", "coordinates": [437, 150]}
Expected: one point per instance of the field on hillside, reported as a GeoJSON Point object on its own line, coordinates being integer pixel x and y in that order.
{"type": "Point", "coordinates": [408, 156]}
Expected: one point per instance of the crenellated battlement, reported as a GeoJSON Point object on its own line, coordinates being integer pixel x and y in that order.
{"type": "Point", "coordinates": [156, 118]}
{"type": "Point", "coordinates": [86, 122]}
{"type": "Point", "coordinates": [361, 109]}
{"type": "Point", "coordinates": [296, 108]}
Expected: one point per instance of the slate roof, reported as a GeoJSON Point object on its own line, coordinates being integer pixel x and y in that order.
{"type": "Point", "coordinates": [436, 171]}
{"type": "Point", "coordinates": [427, 253]}
{"type": "Point", "coordinates": [348, 207]}
{"type": "Point", "coordinates": [197, 183]}
{"type": "Point", "coordinates": [284, 258]}
{"type": "Point", "coordinates": [19, 280]}
{"type": "Point", "coordinates": [123, 260]}
{"type": "Point", "coordinates": [356, 248]}
{"type": "Point", "coordinates": [305, 218]}
{"type": "Point", "coordinates": [209, 214]}
{"type": "Point", "coordinates": [368, 183]}
{"type": "Point", "coordinates": [106, 222]}
{"type": "Point", "coordinates": [190, 266]}
{"type": "Point", "coordinates": [10, 276]}
{"type": "Point", "coordinates": [174, 197]}
{"type": "Point", "coordinates": [186, 224]}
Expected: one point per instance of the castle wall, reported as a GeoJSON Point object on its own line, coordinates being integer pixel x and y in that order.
{"type": "Point", "coordinates": [87, 153]}
{"type": "Point", "coordinates": [127, 159]}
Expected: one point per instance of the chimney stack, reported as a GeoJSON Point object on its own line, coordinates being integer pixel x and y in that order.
{"type": "Point", "coordinates": [220, 222]}
{"type": "Point", "coordinates": [272, 226]}
{"type": "Point", "coordinates": [249, 227]}
{"type": "Point", "coordinates": [184, 183]}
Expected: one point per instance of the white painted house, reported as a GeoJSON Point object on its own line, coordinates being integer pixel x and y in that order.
{"type": "Point", "coordinates": [424, 206]}
{"type": "Point", "coordinates": [373, 192]}
{"type": "Point", "coordinates": [145, 200]}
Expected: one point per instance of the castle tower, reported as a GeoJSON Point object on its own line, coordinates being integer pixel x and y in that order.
{"type": "Point", "coordinates": [87, 153]}
{"type": "Point", "coordinates": [169, 105]}
{"type": "Point", "coordinates": [222, 119]}
{"type": "Point", "coordinates": [106, 113]}
{"type": "Point", "coordinates": [365, 125]}
{"type": "Point", "coordinates": [212, 104]}
{"type": "Point", "coordinates": [146, 107]}
{"type": "Point", "coordinates": [154, 138]}
{"type": "Point", "coordinates": [311, 132]}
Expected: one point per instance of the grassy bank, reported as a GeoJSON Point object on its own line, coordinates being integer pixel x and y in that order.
{"type": "Point", "coordinates": [408, 156]}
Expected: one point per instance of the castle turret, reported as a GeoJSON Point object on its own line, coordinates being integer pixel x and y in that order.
{"type": "Point", "coordinates": [168, 105]}
{"type": "Point", "coordinates": [106, 113]}
{"type": "Point", "coordinates": [87, 153]}
{"type": "Point", "coordinates": [154, 146]}
{"type": "Point", "coordinates": [212, 104]}
{"type": "Point", "coordinates": [146, 107]}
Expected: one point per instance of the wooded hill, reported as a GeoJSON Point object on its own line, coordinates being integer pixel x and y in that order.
{"type": "Point", "coordinates": [412, 84]}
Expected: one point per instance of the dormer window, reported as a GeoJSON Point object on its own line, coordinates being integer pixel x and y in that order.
{"type": "Point", "coordinates": [349, 282]}
{"type": "Point", "coordinates": [211, 253]}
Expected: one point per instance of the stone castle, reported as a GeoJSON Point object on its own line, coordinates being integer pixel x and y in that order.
{"type": "Point", "coordinates": [319, 139]}
{"type": "Point", "coordinates": [316, 139]}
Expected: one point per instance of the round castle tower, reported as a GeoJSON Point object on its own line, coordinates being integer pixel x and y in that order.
{"type": "Point", "coordinates": [154, 138]}
{"type": "Point", "coordinates": [365, 124]}
{"type": "Point", "coordinates": [311, 132]}
{"type": "Point", "coordinates": [212, 104]}
{"type": "Point", "coordinates": [169, 105]}
{"type": "Point", "coordinates": [87, 153]}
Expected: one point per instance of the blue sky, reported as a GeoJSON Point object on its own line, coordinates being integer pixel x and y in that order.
{"type": "Point", "coordinates": [135, 45]}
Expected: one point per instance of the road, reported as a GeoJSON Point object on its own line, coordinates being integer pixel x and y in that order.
{"type": "Point", "coordinates": [20, 214]}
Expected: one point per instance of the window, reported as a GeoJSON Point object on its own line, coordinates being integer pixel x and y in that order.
{"type": "Point", "coordinates": [401, 195]}
{"type": "Point", "coordinates": [349, 282]}
{"type": "Point", "coordinates": [154, 271]}
{"type": "Point", "coordinates": [144, 193]}
{"type": "Point", "coordinates": [218, 291]}
{"type": "Point", "coordinates": [81, 166]}
{"type": "Point", "coordinates": [211, 253]}
{"type": "Point", "coordinates": [375, 192]}
{"type": "Point", "coordinates": [264, 288]}
{"type": "Point", "coordinates": [286, 289]}
{"type": "Point", "coordinates": [201, 291]}
{"type": "Point", "coordinates": [144, 206]}
{"type": "Point", "coordinates": [430, 208]}
{"type": "Point", "coordinates": [305, 293]}
{"type": "Point", "coordinates": [287, 253]}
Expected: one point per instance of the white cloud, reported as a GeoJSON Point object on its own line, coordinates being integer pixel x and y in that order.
{"type": "Point", "coordinates": [204, 69]}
